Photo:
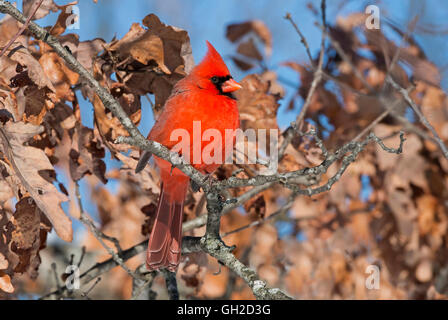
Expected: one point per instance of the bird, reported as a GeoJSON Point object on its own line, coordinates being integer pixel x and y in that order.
{"type": "Point", "coordinates": [204, 96]}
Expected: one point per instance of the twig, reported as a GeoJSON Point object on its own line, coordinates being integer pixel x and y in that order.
{"type": "Point", "coordinates": [214, 246]}
{"type": "Point", "coordinates": [171, 284]}
{"type": "Point", "coordinates": [85, 294]}
{"type": "Point", "coordinates": [144, 281]}
{"type": "Point", "coordinates": [378, 119]}
{"type": "Point", "coordinates": [153, 108]}
{"type": "Point", "coordinates": [277, 213]}
{"type": "Point", "coordinates": [217, 249]}
{"type": "Point", "coordinates": [288, 205]}
{"type": "Point", "coordinates": [302, 37]}
{"type": "Point", "coordinates": [347, 60]}
{"type": "Point", "coordinates": [317, 78]}
{"type": "Point", "coordinates": [55, 273]}
{"type": "Point", "coordinates": [81, 258]}
{"type": "Point", "coordinates": [100, 236]}
{"type": "Point", "coordinates": [354, 148]}
{"type": "Point", "coordinates": [139, 289]}
{"type": "Point", "coordinates": [303, 176]}
{"type": "Point", "coordinates": [24, 26]}
{"type": "Point", "coordinates": [404, 93]}
{"type": "Point", "coordinates": [189, 244]}
{"type": "Point", "coordinates": [410, 29]}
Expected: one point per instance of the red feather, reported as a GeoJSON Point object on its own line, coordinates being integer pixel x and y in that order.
{"type": "Point", "coordinates": [194, 98]}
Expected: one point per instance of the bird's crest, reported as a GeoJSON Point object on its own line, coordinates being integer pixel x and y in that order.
{"type": "Point", "coordinates": [211, 65]}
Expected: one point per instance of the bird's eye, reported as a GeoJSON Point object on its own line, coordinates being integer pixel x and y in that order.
{"type": "Point", "coordinates": [215, 79]}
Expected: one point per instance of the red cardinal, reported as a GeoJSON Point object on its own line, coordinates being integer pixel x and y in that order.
{"type": "Point", "coordinates": [205, 95]}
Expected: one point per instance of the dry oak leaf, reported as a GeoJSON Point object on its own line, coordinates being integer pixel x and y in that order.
{"type": "Point", "coordinates": [142, 46]}
{"type": "Point", "coordinates": [237, 31]}
{"type": "Point", "coordinates": [34, 70]}
{"type": "Point", "coordinates": [8, 103]}
{"type": "Point", "coordinates": [5, 283]}
{"type": "Point", "coordinates": [28, 164]}
{"type": "Point", "coordinates": [59, 74]}
{"type": "Point", "coordinates": [412, 55]}
{"type": "Point", "coordinates": [176, 44]}
{"type": "Point", "coordinates": [5, 192]}
{"type": "Point", "coordinates": [243, 65]}
{"type": "Point", "coordinates": [108, 125]}
{"type": "Point", "coordinates": [8, 259]}
{"type": "Point", "coordinates": [249, 49]}
{"type": "Point", "coordinates": [158, 57]}
{"type": "Point", "coordinates": [147, 179]}
{"type": "Point", "coordinates": [149, 60]}
{"type": "Point", "coordinates": [85, 155]}
{"type": "Point", "coordinates": [8, 28]}
{"type": "Point", "coordinates": [258, 108]}
{"type": "Point", "coordinates": [3, 262]}
{"type": "Point", "coordinates": [28, 236]}
{"type": "Point", "coordinates": [83, 51]}
{"type": "Point", "coordinates": [28, 7]}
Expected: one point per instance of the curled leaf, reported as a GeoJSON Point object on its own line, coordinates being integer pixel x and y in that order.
{"type": "Point", "coordinates": [30, 165]}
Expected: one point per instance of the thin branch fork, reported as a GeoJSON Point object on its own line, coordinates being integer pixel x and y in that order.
{"type": "Point", "coordinates": [317, 78]}
{"type": "Point", "coordinates": [23, 28]}
{"type": "Point", "coordinates": [405, 94]}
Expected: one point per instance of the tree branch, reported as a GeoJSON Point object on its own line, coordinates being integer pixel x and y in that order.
{"type": "Point", "coordinates": [405, 94]}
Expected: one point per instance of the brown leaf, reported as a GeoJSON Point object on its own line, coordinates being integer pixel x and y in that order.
{"type": "Point", "coordinates": [176, 44]}
{"type": "Point", "coordinates": [275, 88]}
{"type": "Point", "coordinates": [141, 45]}
{"type": "Point", "coordinates": [109, 126]}
{"type": "Point", "coordinates": [86, 154]}
{"type": "Point", "coordinates": [249, 50]}
{"type": "Point", "coordinates": [243, 65]}
{"type": "Point", "coordinates": [5, 191]}
{"type": "Point", "coordinates": [29, 164]}
{"type": "Point", "coordinates": [5, 283]}
{"type": "Point", "coordinates": [8, 105]}
{"type": "Point", "coordinates": [8, 29]}
{"type": "Point", "coordinates": [194, 269]}
{"type": "Point", "coordinates": [424, 271]}
{"type": "Point", "coordinates": [413, 56]}
{"type": "Point", "coordinates": [236, 31]}
{"type": "Point", "coordinates": [23, 56]}
{"type": "Point", "coordinates": [26, 237]}
{"type": "Point", "coordinates": [163, 54]}
{"type": "Point", "coordinates": [44, 9]}
{"type": "Point", "coordinates": [3, 262]}
{"type": "Point", "coordinates": [148, 60]}
{"type": "Point", "coordinates": [258, 108]}
{"type": "Point", "coordinates": [149, 211]}
{"type": "Point", "coordinates": [59, 74]}
{"type": "Point", "coordinates": [33, 103]}
{"type": "Point", "coordinates": [84, 51]}
{"type": "Point", "coordinates": [147, 179]}
{"type": "Point", "coordinates": [256, 207]}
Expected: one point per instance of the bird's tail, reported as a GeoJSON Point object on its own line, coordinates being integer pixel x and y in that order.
{"type": "Point", "coordinates": [164, 247]}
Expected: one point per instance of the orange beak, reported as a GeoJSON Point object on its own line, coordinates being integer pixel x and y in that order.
{"type": "Point", "coordinates": [230, 86]}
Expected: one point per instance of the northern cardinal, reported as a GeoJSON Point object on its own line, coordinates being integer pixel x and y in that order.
{"type": "Point", "coordinates": [205, 95]}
